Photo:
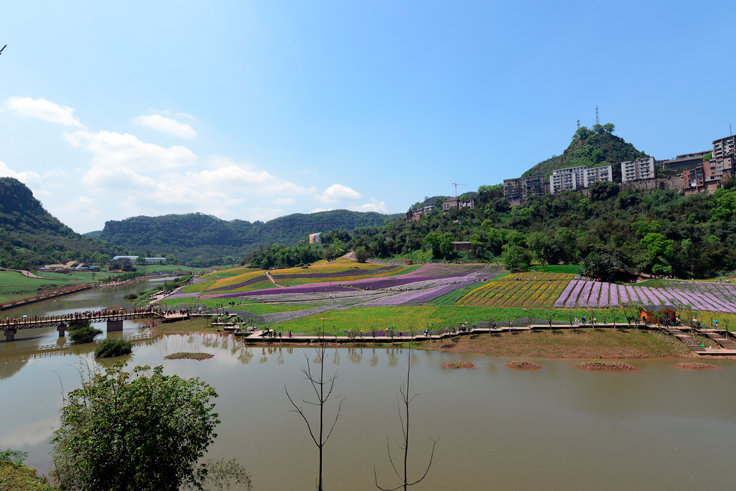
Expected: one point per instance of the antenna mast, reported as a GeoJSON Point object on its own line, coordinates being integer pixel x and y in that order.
{"type": "Point", "coordinates": [596, 115]}
{"type": "Point", "coordinates": [578, 124]}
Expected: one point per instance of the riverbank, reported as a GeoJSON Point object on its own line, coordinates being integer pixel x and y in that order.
{"type": "Point", "coordinates": [568, 343]}
{"type": "Point", "coordinates": [608, 343]}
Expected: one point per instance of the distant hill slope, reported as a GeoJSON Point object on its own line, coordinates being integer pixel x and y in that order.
{"type": "Point", "coordinates": [593, 148]}
{"type": "Point", "coordinates": [200, 239]}
{"type": "Point", "coordinates": [30, 236]}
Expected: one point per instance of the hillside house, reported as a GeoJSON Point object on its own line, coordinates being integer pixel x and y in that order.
{"type": "Point", "coordinates": [456, 203]}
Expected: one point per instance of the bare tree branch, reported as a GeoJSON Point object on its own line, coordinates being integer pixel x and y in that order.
{"type": "Point", "coordinates": [404, 400]}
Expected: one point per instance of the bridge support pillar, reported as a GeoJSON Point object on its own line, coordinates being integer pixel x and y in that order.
{"type": "Point", "coordinates": [10, 334]}
{"type": "Point", "coordinates": [114, 325]}
{"type": "Point", "coordinates": [62, 329]}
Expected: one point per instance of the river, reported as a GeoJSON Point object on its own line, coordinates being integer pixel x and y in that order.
{"type": "Point", "coordinates": [555, 428]}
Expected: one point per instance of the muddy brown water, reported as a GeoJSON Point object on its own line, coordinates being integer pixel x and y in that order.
{"type": "Point", "coordinates": [554, 428]}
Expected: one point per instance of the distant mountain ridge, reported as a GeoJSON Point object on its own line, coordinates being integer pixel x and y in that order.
{"type": "Point", "coordinates": [592, 147]}
{"type": "Point", "coordinates": [30, 236]}
{"type": "Point", "coordinates": [200, 239]}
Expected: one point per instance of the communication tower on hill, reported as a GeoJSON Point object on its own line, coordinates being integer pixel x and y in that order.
{"type": "Point", "coordinates": [578, 124]}
{"type": "Point", "coordinates": [596, 115]}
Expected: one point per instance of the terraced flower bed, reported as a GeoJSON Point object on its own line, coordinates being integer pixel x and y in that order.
{"type": "Point", "coordinates": [535, 289]}
{"type": "Point", "coordinates": [704, 296]}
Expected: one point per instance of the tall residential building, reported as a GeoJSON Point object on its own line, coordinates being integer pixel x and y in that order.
{"type": "Point", "coordinates": [597, 174]}
{"type": "Point", "coordinates": [637, 170]}
{"type": "Point", "coordinates": [724, 147]}
{"type": "Point", "coordinates": [521, 188]}
{"type": "Point", "coordinates": [568, 179]}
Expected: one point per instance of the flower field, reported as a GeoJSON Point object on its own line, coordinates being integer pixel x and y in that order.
{"type": "Point", "coordinates": [519, 290]}
{"type": "Point", "coordinates": [705, 296]}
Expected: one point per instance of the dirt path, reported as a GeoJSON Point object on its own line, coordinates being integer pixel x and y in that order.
{"type": "Point", "coordinates": [270, 278]}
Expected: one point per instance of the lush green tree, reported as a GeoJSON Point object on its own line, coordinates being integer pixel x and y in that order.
{"type": "Point", "coordinates": [80, 331]}
{"type": "Point", "coordinates": [603, 190]}
{"type": "Point", "coordinates": [142, 430]}
{"type": "Point", "coordinates": [516, 258]}
{"type": "Point", "coordinates": [362, 254]}
{"type": "Point", "coordinates": [113, 347]}
{"type": "Point", "coordinates": [604, 266]}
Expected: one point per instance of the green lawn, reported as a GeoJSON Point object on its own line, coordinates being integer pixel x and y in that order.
{"type": "Point", "coordinates": [252, 307]}
{"type": "Point", "coordinates": [15, 286]}
{"type": "Point", "coordinates": [559, 268]}
{"type": "Point", "coordinates": [433, 317]}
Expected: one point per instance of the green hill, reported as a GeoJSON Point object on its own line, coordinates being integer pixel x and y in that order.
{"type": "Point", "coordinates": [593, 148]}
{"type": "Point", "coordinates": [202, 240]}
{"type": "Point", "coordinates": [30, 236]}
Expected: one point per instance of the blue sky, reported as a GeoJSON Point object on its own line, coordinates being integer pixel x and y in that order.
{"type": "Point", "coordinates": [253, 110]}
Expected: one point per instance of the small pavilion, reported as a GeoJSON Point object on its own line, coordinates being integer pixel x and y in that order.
{"type": "Point", "coordinates": [657, 314]}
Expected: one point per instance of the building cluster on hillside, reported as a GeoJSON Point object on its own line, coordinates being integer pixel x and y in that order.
{"type": "Point", "coordinates": [697, 172]}
{"type": "Point", "coordinates": [447, 205]}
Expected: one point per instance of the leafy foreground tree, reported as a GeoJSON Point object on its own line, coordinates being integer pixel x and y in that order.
{"type": "Point", "coordinates": [142, 430]}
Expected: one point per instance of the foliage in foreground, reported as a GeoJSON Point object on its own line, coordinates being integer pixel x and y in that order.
{"type": "Point", "coordinates": [141, 430]}
{"type": "Point", "coordinates": [113, 347]}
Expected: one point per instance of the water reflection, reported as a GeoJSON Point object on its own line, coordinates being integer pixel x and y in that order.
{"type": "Point", "coordinates": [555, 428]}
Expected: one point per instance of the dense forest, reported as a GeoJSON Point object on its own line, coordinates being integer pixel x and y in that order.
{"type": "Point", "coordinates": [203, 240]}
{"type": "Point", "coordinates": [592, 147]}
{"type": "Point", "coordinates": [614, 233]}
{"type": "Point", "coordinates": [31, 236]}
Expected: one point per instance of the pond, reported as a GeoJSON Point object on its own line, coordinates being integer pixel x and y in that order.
{"type": "Point", "coordinates": [554, 428]}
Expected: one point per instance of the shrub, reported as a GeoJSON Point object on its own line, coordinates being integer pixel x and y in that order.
{"type": "Point", "coordinates": [83, 333]}
{"type": "Point", "coordinates": [113, 347]}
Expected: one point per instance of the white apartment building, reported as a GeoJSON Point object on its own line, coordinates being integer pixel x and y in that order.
{"type": "Point", "coordinates": [596, 174]}
{"type": "Point", "coordinates": [568, 179]}
{"type": "Point", "coordinates": [724, 147]}
{"type": "Point", "coordinates": [637, 170]}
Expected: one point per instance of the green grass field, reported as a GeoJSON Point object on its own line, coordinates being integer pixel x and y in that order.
{"type": "Point", "coordinates": [559, 268]}
{"type": "Point", "coordinates": [434, 317]}
{"type": "Point", "coordinates": [15, 286]}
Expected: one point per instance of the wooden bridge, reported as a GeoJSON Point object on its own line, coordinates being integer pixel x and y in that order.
{"type": "Point", "coordinates": [114, 319]}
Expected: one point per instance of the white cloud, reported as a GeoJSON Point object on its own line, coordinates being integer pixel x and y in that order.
{"type": "Point", "coordinates": [284, 201]}
{"type": "Point", "coordinates": [24, 177]}
{"type": "Point", "coordinates": [338, 193]}
{"type": "Point", "coordinates": [374, 205]}
{"type": "Point", "coordinates": [44, 110]}
{"type": "Point", "coordinates": [115, 152]}
{"type": "Point", "coordinates": [166, 125]}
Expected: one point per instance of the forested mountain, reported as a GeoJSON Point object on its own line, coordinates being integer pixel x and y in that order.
{"type": "Point", "coordinates": [30, 236]}
{"type": "Point", "coordinates": [596, 147]}
{"type": "Point", "coordinates": [617, 233]}
{"type": "Point", "coordinates": [203, 240]}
